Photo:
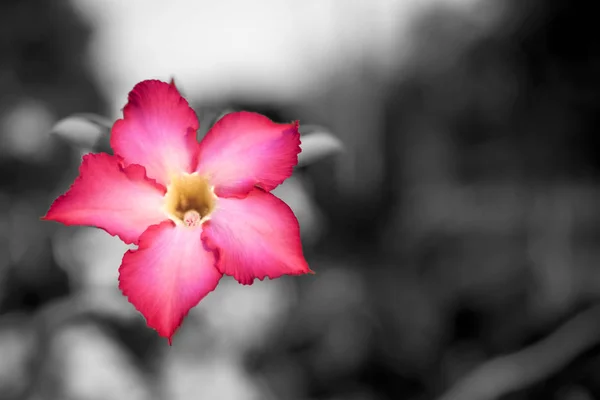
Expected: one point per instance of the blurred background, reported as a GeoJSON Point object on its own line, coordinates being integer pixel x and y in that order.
{"type": "Point", "coordinates": [456, 233]}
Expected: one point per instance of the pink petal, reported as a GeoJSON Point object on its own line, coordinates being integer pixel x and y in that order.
{"type": "Point", "coordinates": [122, 201]}
{"type": "Point", "coordinates": [257, 237]}
{"type": "Point", "coordinates": [158, 131]}
{"type": "Point", "coordinates": [245, 149]}
{"type": "Point", "coordinates": [167, 275]}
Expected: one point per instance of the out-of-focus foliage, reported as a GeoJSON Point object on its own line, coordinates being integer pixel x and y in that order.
{"type": "Point", "coordinates": [459, 224]}
{"type": "Point", "coordinates": [42, 78]}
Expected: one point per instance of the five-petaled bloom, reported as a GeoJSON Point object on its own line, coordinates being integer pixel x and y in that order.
{"type": "Point", "coordinates": [196, 210]}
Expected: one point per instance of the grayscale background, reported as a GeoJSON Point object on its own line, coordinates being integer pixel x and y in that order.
{"type": "Point", "coordinates": [456, 240]}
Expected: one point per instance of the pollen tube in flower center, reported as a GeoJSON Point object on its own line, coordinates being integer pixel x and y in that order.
{"type": "Point", "coordinates": [189, 200]}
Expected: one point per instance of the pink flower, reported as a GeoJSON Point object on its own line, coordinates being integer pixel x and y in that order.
{"type": "Point", "coordinates": [195, 210]}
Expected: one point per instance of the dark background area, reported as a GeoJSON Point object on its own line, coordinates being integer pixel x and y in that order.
{"type": "Point", "coordinates": [466, 228]}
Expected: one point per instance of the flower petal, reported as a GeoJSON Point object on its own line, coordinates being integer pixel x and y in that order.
{"type": "Point", "coordinates": [257, 237]}
{"type": "Point", "coordinates": [245, 149]}
{"type": "Point", "coordinates": [158, 131]}
{"type": "Point", "coordinates": [169, 273]}
{"type": "Point", "coordinates": [122, 201]}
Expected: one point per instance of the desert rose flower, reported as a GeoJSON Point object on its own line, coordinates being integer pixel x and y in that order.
{"type": "Point", "coordinates": [196, 210]}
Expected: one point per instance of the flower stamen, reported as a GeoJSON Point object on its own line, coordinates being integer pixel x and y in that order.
{"type": "Point", "coordinates": [191, 218]}
{"type": "Point", "coordinates": [189, 200]}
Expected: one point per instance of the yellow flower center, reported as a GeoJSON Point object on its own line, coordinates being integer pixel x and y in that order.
{"type": "Point", "coordinates": [189, 200]}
